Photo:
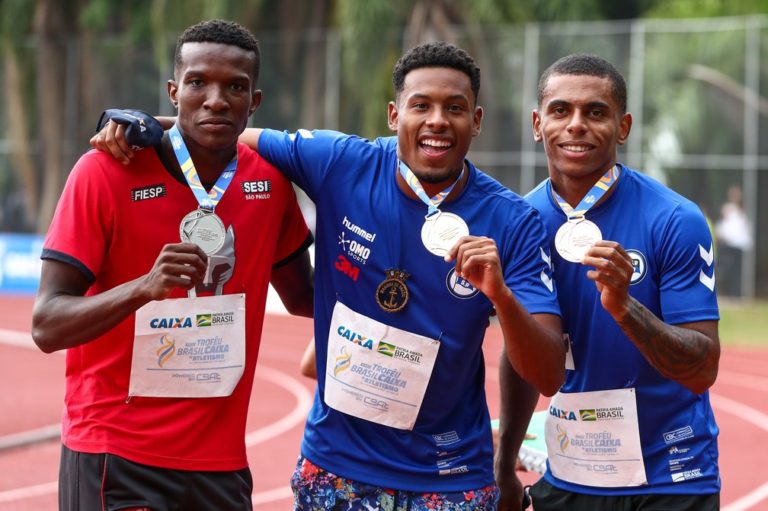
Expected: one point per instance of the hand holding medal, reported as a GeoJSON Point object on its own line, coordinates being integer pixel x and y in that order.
{"type": "Point", "coordinates": [575, 237]}
{"type": "Point", "coordinates": [441, 230]}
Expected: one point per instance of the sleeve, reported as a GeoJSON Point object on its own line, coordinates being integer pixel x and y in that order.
{"type": "Point", "coordinates": [306, 157]}
{"type": "Point", "coordinates": [528, 264]}
{"type": "Point", "coordinates": [687, 268]}
{"type": "Point", "coordinates": [295, 236]}
{"type": "Point", "coordinates": [81, 228]}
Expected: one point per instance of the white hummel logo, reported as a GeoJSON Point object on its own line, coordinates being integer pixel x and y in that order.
{"type": "Point", "coordinates": [546, 279]}
{"type": "Point", "coordinates": [709, 258]}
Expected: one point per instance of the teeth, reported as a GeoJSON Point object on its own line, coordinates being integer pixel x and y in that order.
{"type": "Point", "coordinates": [436, 143]}
{"type": "Point", "coordinates": [576, 148]}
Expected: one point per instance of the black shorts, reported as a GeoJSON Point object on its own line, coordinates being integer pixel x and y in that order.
{"type": "Point", "coordinates": [548, 498]}
{"type": "Point", "coordinates": [105, 482]}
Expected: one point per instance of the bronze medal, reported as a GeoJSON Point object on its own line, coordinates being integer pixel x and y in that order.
{"type": "Point", "coordinates": [392, 294]}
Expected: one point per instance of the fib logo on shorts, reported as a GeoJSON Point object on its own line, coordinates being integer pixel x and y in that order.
{"type": "Point", "coordinates": [166, 350]}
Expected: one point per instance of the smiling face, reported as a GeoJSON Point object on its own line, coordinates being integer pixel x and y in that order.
{"type": "Point", "coordinates": [435, 118]}
{"type": "Point", "coordinates": [580, 124]}
{"type": "Point", "coordinates": [215, 92]}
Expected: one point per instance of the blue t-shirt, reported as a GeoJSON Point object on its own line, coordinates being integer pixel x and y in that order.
{"type": "Point", "coordinates": [671, 248]}
{"type": "Point", "coordinates": [366, 225]}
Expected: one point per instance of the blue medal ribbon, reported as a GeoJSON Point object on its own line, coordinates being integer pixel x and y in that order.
{"type": "Point", "coordinates": [206, 200]}
{"type": "Point", "coordinates": [592, 197]}
{"type": "Point", "coordinates": [413, 183]}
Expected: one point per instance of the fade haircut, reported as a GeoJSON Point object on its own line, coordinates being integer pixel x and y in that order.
{"type": "Point", "coordinates": [222, 32]}
{"type": "Point", "coordinates": [439, 54]}
{"type": "Point", "coordinates": [586, 65]}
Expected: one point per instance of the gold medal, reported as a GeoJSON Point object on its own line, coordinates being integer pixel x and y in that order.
{"type": "Point", "coordinates": [392, 293]}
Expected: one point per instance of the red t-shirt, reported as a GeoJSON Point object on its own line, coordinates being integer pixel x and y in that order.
{"type": "Point", "coordinates": [111, 222]}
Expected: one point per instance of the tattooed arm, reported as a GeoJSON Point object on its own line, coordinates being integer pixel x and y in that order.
{"type": "Point", "coordinates": [688, 353]}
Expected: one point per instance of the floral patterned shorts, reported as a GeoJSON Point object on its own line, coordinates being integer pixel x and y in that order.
{"type": "Point", "coordinates": [315, 489]}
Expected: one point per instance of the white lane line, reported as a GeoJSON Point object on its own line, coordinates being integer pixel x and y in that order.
{"type": "Point", "coordinates": [16, 338]}
{"type": "Point", "coordinates": [28, 492]}
{"type": "Point", "coordinates": [296, 416]}
{"type": "Point", "coordinates": [747, 381]}
{"type": "Point", "coordinates": [758, 419]}
{"type": "Point", "coordinates": [30, 436]}
{"type": "Point", "coordinates": [749, 500]}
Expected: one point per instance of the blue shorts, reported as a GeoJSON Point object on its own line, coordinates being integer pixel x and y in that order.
{"type": "Point", "coordinates": [315, 489]}
{"type": "Point", "coordinates": [90, 482]}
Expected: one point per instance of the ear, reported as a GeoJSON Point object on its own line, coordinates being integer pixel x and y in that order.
{"type": "Point", "coordinates": [477, 119]}
{"type": "Point", "coordinates": [392, 115]}
{"type": "Point", "coordinates": [173, 90]}
{"type": "Point", "coordinates": [255, 101]}
{"type": "Point", "coordinates": [625, 125]}
{"type": "Point", "coordinates": [536, 120]}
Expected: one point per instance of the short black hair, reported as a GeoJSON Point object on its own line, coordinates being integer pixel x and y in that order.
{"type": "Point", "coordinates": [589, 65]}
{"type": "Point", "coordinates": [437, 54]}
{"type": "Point", "coordinates": [222, 32]}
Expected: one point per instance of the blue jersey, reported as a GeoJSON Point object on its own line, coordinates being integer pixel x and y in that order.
{"type": "Point", "coordinates": [366, 225]}
{"type": "Point", "coordinates": [671, 248]}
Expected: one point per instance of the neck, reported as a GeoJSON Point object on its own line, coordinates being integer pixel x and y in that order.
{"type": "Point", "coordinates": [208, 164]}
{"type": "Point", "coordinates": [432, 189]}
{"type": "Point", "coordinates": [574, 189]}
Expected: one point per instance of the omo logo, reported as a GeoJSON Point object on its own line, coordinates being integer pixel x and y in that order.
{"type": "Point", "coordinates": [640, 265]}
{"type": "Point", "coordinates": [354, 250]}
{"type": "Point", "coordinates": [459, 287]}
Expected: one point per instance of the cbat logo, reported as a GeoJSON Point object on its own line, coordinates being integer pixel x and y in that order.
{"type": "Point", "coordinates": [355, 338]}
{"type": "Point", "coordinates": [640, 265]}
{"type": "Point", "coordinates": [185, 322]}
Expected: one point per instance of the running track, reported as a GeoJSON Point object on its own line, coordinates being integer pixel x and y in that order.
{"type": "Point", "coordinates": [31, 386]}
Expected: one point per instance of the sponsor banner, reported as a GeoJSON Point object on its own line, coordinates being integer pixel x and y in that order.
{"type": "Point", "coordinates": [20, 262]}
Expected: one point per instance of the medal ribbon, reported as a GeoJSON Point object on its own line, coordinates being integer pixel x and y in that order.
{"type": "Point", "coordinates": [592, 197]}
{"type": "Point", "coordinates": [206, 200]}
{"type": "Point", "coordinates": [431, 202]}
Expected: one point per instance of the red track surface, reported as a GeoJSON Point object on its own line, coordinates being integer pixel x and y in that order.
{"type": "Point", "coordinates": [32, 390]}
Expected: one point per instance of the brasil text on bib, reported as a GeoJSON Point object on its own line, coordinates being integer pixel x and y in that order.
{"type": "Point", "coordinates": [189, 347]}
{"type": "Point", "coordinates": [376, 372]}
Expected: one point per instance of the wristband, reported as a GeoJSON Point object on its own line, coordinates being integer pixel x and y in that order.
{"type": "Point", "coordinates": [141, 129]}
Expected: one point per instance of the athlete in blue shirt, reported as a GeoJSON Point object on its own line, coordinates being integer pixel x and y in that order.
{"type": "Point", "coordinates": [415, 249]}
{"type": "Point", "coordinates": [632, 427]}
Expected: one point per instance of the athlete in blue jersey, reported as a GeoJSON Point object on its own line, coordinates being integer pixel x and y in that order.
{"type": "Point", "coordinates": [632, 427]}
{"type": "Point", "coordinates": [415, 249]}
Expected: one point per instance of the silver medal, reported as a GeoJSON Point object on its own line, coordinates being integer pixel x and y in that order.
{"type": "Point", "coordinates": [203, 228]}
{"type": "Point", "coordinates": [441, 231]}
{"type": "Point", "coordinates": [575, 237]}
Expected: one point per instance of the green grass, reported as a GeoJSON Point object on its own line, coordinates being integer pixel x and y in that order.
{"type": "Point", "coordinates": [744, 323]}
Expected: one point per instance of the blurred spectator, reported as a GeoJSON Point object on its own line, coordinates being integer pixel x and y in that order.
{"type": "Point", "coordinates": [734, 237]}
